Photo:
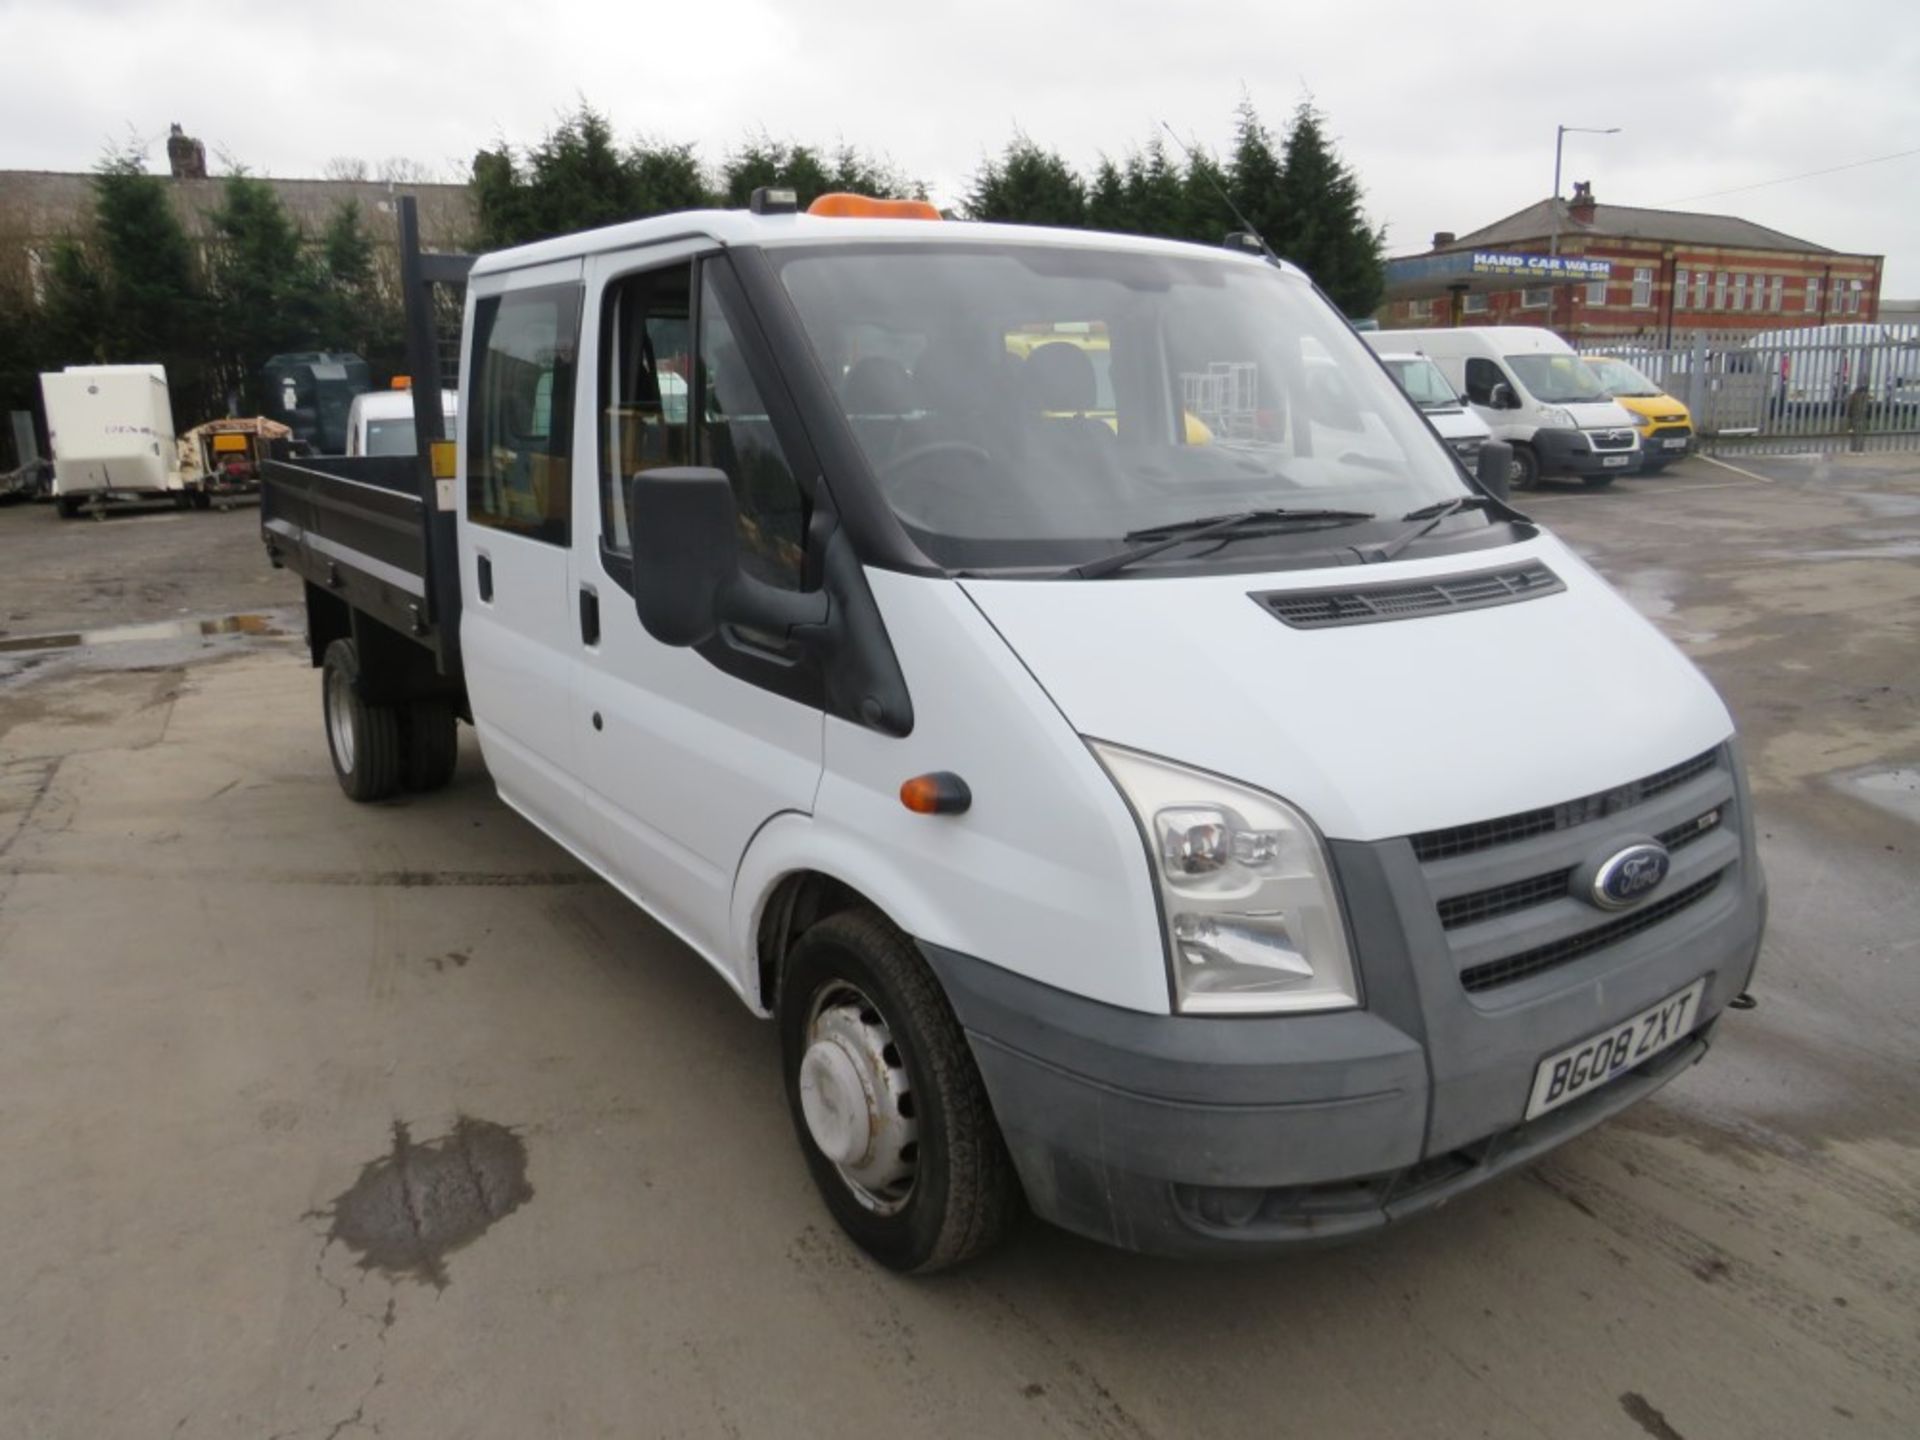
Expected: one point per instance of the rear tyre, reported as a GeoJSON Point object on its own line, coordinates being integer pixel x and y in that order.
{"type": "Point", "coordinates": [68, 506]}
{"type": "Point", "coordinates": [432, 744]}
{"type": "Point", "coordinates": [363, 738]}
{"type": "Point", "coordinates": [1524, 473]}
{"type": "Point", "coordinates": [888, 1104]}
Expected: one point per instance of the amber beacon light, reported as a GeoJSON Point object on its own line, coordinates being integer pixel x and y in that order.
{"type": "Point", "coordinates": [939, 793]}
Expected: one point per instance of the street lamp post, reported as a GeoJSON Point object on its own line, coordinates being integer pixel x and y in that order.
{"type": "Point", "coordinates": [1560, 133]}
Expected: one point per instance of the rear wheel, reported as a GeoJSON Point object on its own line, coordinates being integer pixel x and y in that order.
{"type": "Point", "coordinates": [432, 744]}
{"type": "Point", "coordinates": [1524, 472]}
{"type": "Point", "coordinates": [889, 1107]}
{"type": "Point", "coordinates": [363, 738]}
{"type": "Point", "coordinates": [67, 505]}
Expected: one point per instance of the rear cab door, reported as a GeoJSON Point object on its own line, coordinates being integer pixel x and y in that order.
{"type": "Point", "coordinates": [686, 753]}
{"type": "Point", "coordinates": [515, 529]}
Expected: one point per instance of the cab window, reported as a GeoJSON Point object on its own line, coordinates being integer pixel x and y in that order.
{"type": "Point", "coordinates": [646, 373]}
{"type": "Point", "coordinates": [519, 466]}
{"type": "Point", "coordinates": [736, 436]}
{"type": "Point", "coordinates": [1482, 376]}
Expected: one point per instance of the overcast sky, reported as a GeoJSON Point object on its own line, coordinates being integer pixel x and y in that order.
{"type": "Point", "coordinates": [1447, 111]}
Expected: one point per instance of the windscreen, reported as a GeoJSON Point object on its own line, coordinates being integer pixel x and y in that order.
{"type": "Point", "coordinates": [1557, 379]}
{"type": "Point", "coordinates": [1621, 378]}
{"type": "Point", "coordinates": [1028, 405]}
{"type": "Point", "coordinates": [391, 437]}
{"type": "Point", "coordinates": [1424, 384]}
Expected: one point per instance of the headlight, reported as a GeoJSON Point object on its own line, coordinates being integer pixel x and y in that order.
{"type": "Point", "coordinates": [1554, 416]}
{"type": "Point", "coordinates": [1253, 923]}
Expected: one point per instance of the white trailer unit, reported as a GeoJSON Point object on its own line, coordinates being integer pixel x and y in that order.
{"type": "Point", "coordinates": [111, 428]}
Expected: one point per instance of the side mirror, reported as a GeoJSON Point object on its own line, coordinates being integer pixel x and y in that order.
{"type": "Point", "coordinates": [1495, 469]}
{"type": "Point", "coordinates": [687, 580]}
{"type": "Point", "coordinates": [1501, 397]}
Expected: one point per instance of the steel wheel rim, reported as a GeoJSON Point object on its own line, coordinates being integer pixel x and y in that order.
{"type": "Point", "coordinates": [340, 719]}
{"type": "Point", "coordinates": [857, 1100]}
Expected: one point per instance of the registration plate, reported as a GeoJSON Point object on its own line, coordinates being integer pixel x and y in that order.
{"type": "Point", "coordinates": [1674, 444]}
{"type": "Point", "coordinates": [1616, 459]}
{"type": "Point", "coordinates": [1594, 1061]}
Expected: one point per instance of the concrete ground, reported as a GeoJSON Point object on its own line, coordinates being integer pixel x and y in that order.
{"type": "Point", "coordinates": [229, 1000]}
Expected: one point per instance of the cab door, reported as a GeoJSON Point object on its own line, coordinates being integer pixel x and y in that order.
{"type": "Point", "coordinates": [686, 753]}
{"type": "Point", "coordinates": [517, 633]}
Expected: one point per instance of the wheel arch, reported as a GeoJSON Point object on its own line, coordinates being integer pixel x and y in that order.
{"type": "Point", "coordinates": [796, 874]}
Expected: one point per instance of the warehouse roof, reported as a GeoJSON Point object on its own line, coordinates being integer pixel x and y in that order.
{"type": "Point", "coordinates": [1630, 222]}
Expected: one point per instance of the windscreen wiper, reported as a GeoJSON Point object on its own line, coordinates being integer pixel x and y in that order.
{"type": "Point", "coordinates": [1432, 514]}
{"type": "Point", "coordinates": [1156, 538]}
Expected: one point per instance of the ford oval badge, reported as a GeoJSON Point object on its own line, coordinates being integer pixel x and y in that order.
{"type": "Point", "coordinates": [1628, 876]}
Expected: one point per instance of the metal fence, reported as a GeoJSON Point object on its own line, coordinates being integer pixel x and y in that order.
{"type": "Point", "coordinates": [1787, 390]}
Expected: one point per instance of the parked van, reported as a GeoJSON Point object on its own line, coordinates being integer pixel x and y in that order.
{"type": "Point", "coordinates": [1665, 425]}
{"type": "Point", "coordinates": [1213, 845]}
{"type": "Point", "coordinates": [111, 432]}
{"type": "Point", "coordinates": [1812, 370]}
{"type": "Point", "coordinates": [380, 422]}
{"type": "Point", "coordinates": [1423, 383]}
{"type": "Point", "coordinates": [1536, 394]}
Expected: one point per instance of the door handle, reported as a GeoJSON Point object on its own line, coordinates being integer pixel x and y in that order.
{"type": "Point", "coordinates": [486, 578]}
{"type": "Point", "coordinates": [589, 617]}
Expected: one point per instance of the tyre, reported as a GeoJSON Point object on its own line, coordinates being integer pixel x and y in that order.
{"type": "Point", "coordinates": [889, 1107]}
{"type": "Point", "coordinates": [363, 738]}
{"type": "Point", "coordinates": [68, 506]}
{"type": "Point", "coordinates": [432, 744]}
{"type": "Point", "coordinates": [1524, 473]}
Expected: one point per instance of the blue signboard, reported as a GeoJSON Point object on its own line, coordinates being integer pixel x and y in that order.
{"type": "Point", "coordinates": [1478, 271]}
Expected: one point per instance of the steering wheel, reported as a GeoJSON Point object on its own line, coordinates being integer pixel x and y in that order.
{"type": "Point", "coordinates": [915, 454]}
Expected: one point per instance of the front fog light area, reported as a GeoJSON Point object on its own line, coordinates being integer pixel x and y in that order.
{"type": "Point", "coordinates": [1253, 921]}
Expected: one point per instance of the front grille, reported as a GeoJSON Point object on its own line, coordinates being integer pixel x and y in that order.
{"type": "Point", "coordinates": [1510, 968]}
{"type": "Point", "coordinates": [1611, 439]}
{"type": "Point", "coordinates": [1504, 899]}
{"type": "Point", "coordinates": [1544, 889]}
{"type": "Point", "coordinates": [1509, 829]}
{"type": "Point", "coordinates": [1369, 604]}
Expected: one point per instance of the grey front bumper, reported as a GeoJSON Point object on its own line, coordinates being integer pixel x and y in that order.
{"type": "Point", "coordinates": [1570, 452]}
{"type": "Point", "coordinates": [1190, 1135]}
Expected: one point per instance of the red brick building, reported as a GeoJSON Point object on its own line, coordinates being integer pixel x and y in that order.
{"type": "Point", "coordinates": [1674, 272]}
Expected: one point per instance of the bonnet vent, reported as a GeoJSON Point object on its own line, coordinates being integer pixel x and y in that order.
{"type": "Point", "coordinates": [1368, 604]}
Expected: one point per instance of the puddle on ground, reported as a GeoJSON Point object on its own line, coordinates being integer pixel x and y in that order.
{"type": "Point", "coordinates": [134, 634]}
{"type": "Point", "coordinates": [417, 1204]}
{"type": "Point", "coordinates": [1896, 790]}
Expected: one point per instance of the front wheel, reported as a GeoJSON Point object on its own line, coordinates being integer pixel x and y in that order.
{"type": "Point", "coordinates": [363, 738]}
{"type": "Point", "coordinates": [1524, 472]}
{"type": "Point", "coordinates": [889, 1107]}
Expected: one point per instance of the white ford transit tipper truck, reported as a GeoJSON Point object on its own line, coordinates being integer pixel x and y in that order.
{"type": "Point", "coordinates": [1540, 397]}
{"type": "Point", "coordinates": [1112, 795]}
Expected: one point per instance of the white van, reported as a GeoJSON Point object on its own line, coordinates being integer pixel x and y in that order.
{"type": "Point", "coordinates": [1423, 383]}
{"type": "Point", "coordinates": [111, 431]}
{"type": "Point", "coordinates": [1187, 808]}
{"type": "Point", "coordinates": [1812, 370]}
{"type": "Point", "coordinates": [380, 422]}
{"type": "Point", "coordinates": [1535, 393]}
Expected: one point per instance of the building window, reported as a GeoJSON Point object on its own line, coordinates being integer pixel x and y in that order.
{"type": "Point", "coordinates": [1536, 297]}
{"type": "Point", "coordinates": [1739, 292]}
{"type": "Point", "coordinates": [1679, 289]}
{"type": "Point", "coordinates": [1720, 290]}
{"type": "Point", "coordinates": [1813, 294]}
{"type": "Point", "coordinates": [1777, 300]}
{"type": "Point", "coordinates": [1642, 286]}
{"type": "Point", "coordinates": [1475, 305]}
{"type": "Point", "coordinates": [1596, 292]}
{"type": "Point", "coordinates": [1699, 289]}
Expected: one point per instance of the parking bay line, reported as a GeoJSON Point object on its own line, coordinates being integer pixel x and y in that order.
{"type": "Point", "coordinates": [1764, 480]}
